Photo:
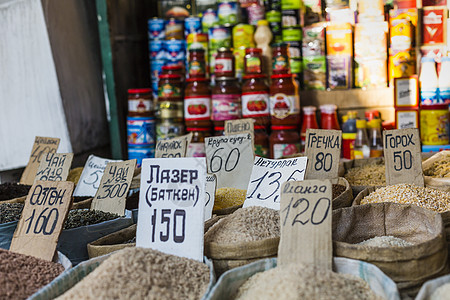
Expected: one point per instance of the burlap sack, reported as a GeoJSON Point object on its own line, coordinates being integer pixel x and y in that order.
{"type": "Point", "coordinates": [85, 204]}
{"type": "Point", "coordinates": [346, 198]}
{"type": "Point", "coordinates": [112, 242]}
{"type": "Point", "coordinates": [226, 211]}
{"type": "Point", "coordinates": [15, 200]}
{"type": "Point", "coordinates": [442, 184]}
{"type": "Point", "coordinates": [344, 166]}
{"type": "Point", "coordinates": [408, 266]}
{"type": "Point", "coordinates": [223, 265]}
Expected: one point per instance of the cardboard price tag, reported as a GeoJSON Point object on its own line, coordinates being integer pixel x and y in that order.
{"type": "Point", "coordinates": [305, 218]}
{"type": "Point", "coordinates": [267, 177]}
{"type": "Point", "coordinates": [90, 177]}
{"type": "Point", "coordinates": [175, 147]}
{"type": "Point", "coordinates": [323, 149]}
{"type": "Point", "coordinates": [55, 167]}
{"type": "Point", "coordinates": [41, 145]}
{"type": "Point", "coordinates": [210, 194]}
{"type": "Point", "coordinates": [230, 158]}
{"type": "Point", "coordinates": [42, 219]}
{"type": "Point", "coordinates": [172, 206]}
{"type": "Point", "coordinates": [240, 126]}
{"type": "Point", "coordinates": [402, 156]}
{"type": "Point", "coordinates": [114, 186]}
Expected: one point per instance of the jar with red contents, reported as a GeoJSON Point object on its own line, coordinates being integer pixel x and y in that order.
{"type": "Point", "coordinates": [197, 146]}
{"type": "Point", "coordinates": [170, 87]}
{"type": "Point", "coordinates": [224, 63]}
{"type": "Point", "coordinates": [280, 58]}
{"type": "Point", "coordinates": [284, 100]}
{"type": "Point", "coordinates": [328, 117]}
{"type": "Point", "coordinates": [255, 99]}
{"type": "Point", "coordinates": [219, 130]}
{"type": "Point", "coordinates": [253, 61]}
{"type": "Point", "coordinates": [173, 69]}
{"type": "Point", "coordinates": [309, 122]}
{"type": "Point", "coordinates": [140, 102]}
{"type": "Point", "coordinates": [284, 141]}
{"type": "Point", "coordinates": [197, 103]}
{"type": "Point", "coordinates": [226, 101]}
{"type": "Point", "coordinates": [197, 63]}
{"type": "Point", "coordinates": [262, 145]}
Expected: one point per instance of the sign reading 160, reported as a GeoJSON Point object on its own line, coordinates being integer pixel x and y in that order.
{"type": "Point", "coordinates": [231, 161]}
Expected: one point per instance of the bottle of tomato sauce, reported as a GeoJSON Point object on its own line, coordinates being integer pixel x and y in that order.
{"type": "Point", "coordinates": [284, 100]}
{"type": "Point", "coordinates": [255, 99]}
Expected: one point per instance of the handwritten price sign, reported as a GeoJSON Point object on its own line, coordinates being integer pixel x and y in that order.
{"type": "Point", "coordinates": [402, 154]}
{"type": "Point", "coordinates": [323, 149]}
{"type": "Point", "coordinates": [42, 219]}
{"type": "Point", "coordinates": [172, 206]}
{"type": "Point", "coordinates": [172, 148]}
{"type": "Point", "coordinates": [41, 145]}
{"type": "Point", "coordinates": [90, 177]}
{"type": "Point", "coordinates": [267, 177]}
{"type": "Point", "coordinates": [210, 193]}
{"type": "Point", "coordinates": [55, 167]}
{"type": "Point", "coordinates": [305, 217]}
{"type": "Point", "coordinates": [114, 186]}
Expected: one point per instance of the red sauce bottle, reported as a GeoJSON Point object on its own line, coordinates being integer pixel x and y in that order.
{"type": "Point", "coordinates": [309, 122]}
{"type": "Point", "coordinates": [255, 99]}
{"type": "Point", "coordinates": [284, 100]}
{"type": "Point", "coordinates": [328, 117]}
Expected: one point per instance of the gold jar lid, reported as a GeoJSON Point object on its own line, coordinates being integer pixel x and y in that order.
{"type": "Point", "coordinates": [170, 109]}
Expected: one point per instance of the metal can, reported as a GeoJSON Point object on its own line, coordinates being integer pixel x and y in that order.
{"type": "Point", "coordinates": [219, 37]}
{"type": "Point", "coordinates": [243, 36]}
{"type": "Point", "coordinates": [175, 50]}
{"type": "Point", "coordinates": [295, 49]}
{"type": "Point", "coordinates": [139, 153]}
{"type": "Point", "coordinates": [157, 51]}
{"type": "Point", "coordinates": [255, 13]}
{"type": "Point", "coordinates": [169, 128]}
{"type": "Point", "coordinates": [170, 110]}
{"type": "Point", "coordinates": [156, 69]}
{"type": "Point", "coordinates": [156, 29]}
{"type": "Point", "coordinates": [275, 5]}
{"type": "Point", "coordinates": [209, 19]}
{"type": "Point", "coordinates": [141, 131]}
{"type": "Point", "coordinates": [174, 29]}
{"type": "Point", "coordinates": [292, 34]}
{"type": "Point", "coordinates": [227, 11]}
{"type": "Point", "coordinates": [290, 18]}
{"type": "Point", "coordinates": [434, 124]}
{"type": "Point", "coordinates": [192, 25]}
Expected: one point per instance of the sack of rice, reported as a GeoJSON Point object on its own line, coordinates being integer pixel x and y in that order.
{"type": "Point", "coordinates": [361, 173]}
{"type": "Point", "coordinates": [437, 171]}
{"type": "Point", "coordinates": [436, 289]}
{"type": "Point", "coordinates": [112, 242]}
{"type": "Point", "coordinates": [247, 234]}
{"type": "Point", "coordinates": [22, 275]}
{"type": "Point", "coordinates": [342, 194]}
{"type": "Point", "coordinates": [406, 242]}
{"type": "Point", "coordinates": [264, 280]}
{"type": "Point", "coordinates": [133, 273]}
{"type": "Point", "coordinates": [228, 200]}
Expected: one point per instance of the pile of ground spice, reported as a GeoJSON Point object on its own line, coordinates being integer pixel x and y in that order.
{"type": "Point", "coordinates": [338, 189]}
{"type": "Point", "coordinates": [9, 190]}
{"type": "Point", "coordinates": [138, 273]}
{"type": "Point", "coordinates": [10, 212]}
{"type": "Point", "coordinates": [23, 275]}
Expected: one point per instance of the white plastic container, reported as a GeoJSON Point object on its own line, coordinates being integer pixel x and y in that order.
{"type": "Point", "coordinates": [444, 81]}
{"type": "Point", "coordinates": [429, 92]}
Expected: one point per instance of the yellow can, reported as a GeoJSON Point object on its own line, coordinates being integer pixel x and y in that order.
{"type": "Point", "coordinates": [434, 124]}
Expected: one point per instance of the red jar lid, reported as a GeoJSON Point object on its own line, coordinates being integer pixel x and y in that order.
{"type": "Point", "coordinates": [169, 76]}
{"type": "Point", "coordinates": [281, 76]}
{"type": "Point", "coordinates": [198, 129]}
{"type": "Point", "coordinates": [260, 127]}
{"type": "Point", "coordinates": [139, 91]}
{"type": "Point", "coordinates": [191, 79]}
{"type": "Point", "coordinates": [442, 106]}
{"type": "Point", "coordinates": [254, 76]}
{"type": "Point", "coordinates": [253, 50]}
{"type": "Point", "coordinates": [171, 67]}
{"type": "Point", "coordinates": [219, 128]}
{"type": "Point", "coordinates": [283, 127]}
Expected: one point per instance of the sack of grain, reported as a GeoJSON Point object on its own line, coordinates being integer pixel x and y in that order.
{"type": "Point", "coordinates": [344, 198]}
{"type": "Point", "coordinates": [362, 173]}
{"type": "Point", "coordinates": [409, 266]}
{"type": "Point", "coordinates": [437, 171]}
{"type": "Point", "coordinates": [429, 291]}
{"type": "Point", "coordinates": [230, 282]}
{"type": "Point", "coordinates": [113, 242]}
{"type": "Point", "coordinates": [70, 278]}
{"type": "Point", "coordinates": [246, 235]}
{"type": "Point", "coordinates": [84, 204]}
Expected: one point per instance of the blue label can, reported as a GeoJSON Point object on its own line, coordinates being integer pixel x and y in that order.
{"type": "Point", "coordinates": [175, 50]}
{"type": "Point", "coordinates": [139, 153]}
{"type": "Point", "coordinates": [157, 51]}
{"type": "Point", "coordinates": [156, 29]}
{"type": "Point", "coordinates": [156, 68]}
{"type": "Point", "coordinates": [141, 131]}
{"type": "Point", "coordinates": [192, 25]}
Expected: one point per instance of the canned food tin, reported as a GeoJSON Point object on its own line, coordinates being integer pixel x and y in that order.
{"type": "Point", "coordinates": [227, 11]}
{"type": "Point", "coordinates": [273, 16]}
{"type": "Point", "coordinates": [170, 110]}
{"type": "Point", "coordinates": [139, 153]}
{"type": "Point", "coordinates": [192, 25]}
{"type": "Point", "coordinates": [290, 18]}
{"type": "Point", "coordinates": [168, 129]}
{"type": "Point", "coordinates": [295, 49]}
{"type": "Point", "coordinates": [140, 131]}
{"type": "Point", "coordinates": [275, 5]}
{"type": "Point", "coordinates": [219, 37]}
{"type": "Point", "coordinates": [292, 34]}
{"type": "Point", "coordinates": [156, 29]}
{"type": "Point", "coordinates": [175, 50]}
{"type": "Point", "coordinates": [243, 36]}
{"type": "Point", "coordinates": [174, 29]}
{"type": "Point", "coordinates": [291, 4]}
{"type": "Point", "coordinates": [157, 51]}
{"type": "Point", "coordinates": [209, 19]}
{"type": "Point", "coordinates": [255, 13]}
{"type": "Point", "coordinates": [296, 65]}
{"type": "Point", "coordinates": [156, 68]}
{"type": "Point", "coordinates": [434, 124]}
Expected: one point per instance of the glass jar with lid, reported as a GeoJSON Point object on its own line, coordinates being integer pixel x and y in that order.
{"type": "Point", "coordinates": [253, 61]}
{"type": "Point", "coordinates": [284, 100]}
{"type": "Point", "coordinates": [140, 102]}
{"type": "Point", "coordinates": [284, 141]}
{"type": "Point", "coordinates": [170, 87]}
{"type": "Point", "coordinates": [255, 99]}
{"type": "Point", "coordinates": [226, 101]}
{"type": "Point", "coordinates": [197, 146]}
{"type": "Point", "coordinates": [197, 63]}
{"type": "Point", "coordinates": [280, 58]}
{"type": "Point", "coordinates": [262, 145]}
{"type": "Point", "coordinates": [173, 69]}
{"type": "Point", "coordinates": [224, 63]}
{"type": "Point", "coordinates": [197, 103]}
